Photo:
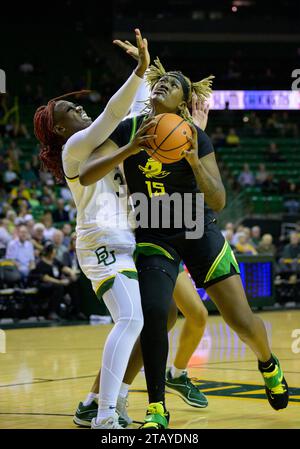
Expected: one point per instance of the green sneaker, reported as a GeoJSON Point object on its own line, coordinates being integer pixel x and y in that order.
{"type": "Point", "coordinates": [85, 413]}
{"type": "Point", "coordinates": [183, 387]}
{"type": "Point", "coordinates": [277, 389]}
{"type": "Point", "coordinates": [156, 417]}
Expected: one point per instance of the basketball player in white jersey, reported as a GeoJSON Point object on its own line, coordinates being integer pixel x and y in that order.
{"type": "Point", "coordinates": [104, 244]}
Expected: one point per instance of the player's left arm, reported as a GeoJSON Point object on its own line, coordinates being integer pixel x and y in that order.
{"type": "Point", "coordinates": [206, 171]}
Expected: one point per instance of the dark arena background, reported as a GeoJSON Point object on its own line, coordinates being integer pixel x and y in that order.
{"type": "Point", "coordinates": [51, 346]}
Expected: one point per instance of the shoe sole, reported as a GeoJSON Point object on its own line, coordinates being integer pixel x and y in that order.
{"type": "Point", "coordinates": [192, 404]}
{"type": "Point", "coordinates": [81, 422]}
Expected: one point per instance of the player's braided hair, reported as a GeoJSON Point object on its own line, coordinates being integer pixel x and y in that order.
{"type": "Point", "coordinates": [201, 88]}
{"type": "Point", "coordinates": [51, 143]}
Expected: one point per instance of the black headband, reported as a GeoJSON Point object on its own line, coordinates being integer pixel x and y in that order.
{"type": "Point", "coordinates": [185, 85]}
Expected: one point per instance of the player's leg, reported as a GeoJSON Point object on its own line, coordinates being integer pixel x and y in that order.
{"type": "Point", "coordinates": [87, 409]}
{"type": "Point", "coordinates": [213, 266]}
{"type": "Point", "coordinates": [157, 277]}
{"type": "Point", "coordinates": [230, 299]}
{"type": "Point", "coordinates": [189, 303]}
{"type": "Point", "coordinates": [123, 303]}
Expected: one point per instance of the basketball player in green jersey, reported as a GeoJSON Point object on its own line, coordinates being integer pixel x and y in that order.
{"type": "Point", "coordinates": [209, 259]}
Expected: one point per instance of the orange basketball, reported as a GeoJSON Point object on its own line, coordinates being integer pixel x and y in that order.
{"type": "Point", "coordinates": [171, 141]}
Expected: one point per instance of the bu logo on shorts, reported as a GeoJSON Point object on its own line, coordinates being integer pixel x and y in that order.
{"type": "Point", "coordinates": [104, 256]}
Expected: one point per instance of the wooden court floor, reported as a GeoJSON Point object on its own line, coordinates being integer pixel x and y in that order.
{"type": "Point", "coordinates": [47, 371]}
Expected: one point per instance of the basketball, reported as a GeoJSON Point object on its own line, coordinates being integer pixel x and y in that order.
{"type": "Point", "coordinates": [171, 141]}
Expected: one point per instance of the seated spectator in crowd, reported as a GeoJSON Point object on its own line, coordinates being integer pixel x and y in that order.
{"type": "Point", "coordinates": [66, 193]}
{"type": "Point", "coordinates": [29, 174]}
{"type": "Point", "coordinates": [255, 235]}
{"type": "Point", "coordinates": [11, 217]}
{"type": "Point", "coordinates": [38, 240]}
{"type": "Point", "coordinates": [47, 221]}
{"type": "Point", "coordinates": [228, 235]}
{"type": "Point", "coordinates": [232, 139]}
{"type": "Point", "coordinates": [244, 247]}
{"type": "Point", "coordinates": [21, 251]}
{"type": "Point", "coordinates": [261, 175]}
{"type": "Point", "coordinates": [5, 236]}
{"type": "Point", "coordinates": [70, 257]}
{"type": "Point", "coordinates": [292, 250]}
{"type": "Point", "coordinates": [67, 231]}
{"type": "Point", "coordinates": [273, 154]}
{"type": "Point", "coordinates": [60, 249]}
{"type": "Point", "coordinates": [218, 137]}
{"type": "Point", "coordinates": [56, 281]}
{"type": "Point", "coordinates": [10, 177]}
{"type": "Point", "coordinates": [270, 185]}
{"type": "Point", "coordinates": [246, 177]}
{"type": "Point", "coordinates": [60, 213]}
{"type": "Point", "coordinates": [266, 245]}
{"type": "Point", "coordinates": [24, 215]}
{"type": "Point", "coordinates": [236, 235]}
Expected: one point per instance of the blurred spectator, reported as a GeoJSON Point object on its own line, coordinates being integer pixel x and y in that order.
{"type": "Point", "coordinates": [67, 231]}
{"type": "Point", "coordinates": [20, 250]}
{"type": "Point", "coordinates": [229, 236]}
{"type": "Point", "coordinates": [11, 217]}
{"type": "Point", "coordinates": [60, 249]}
{"type": "Point", "coordinates": [26, 67]}
{"type": "Point", "coordinates": [10, 176]}
{"type": "Point", "coordinates": [218, 137]}
{"type": "Point", "coordinates": [47, 221]}
{"type": "Point", "coordinates": [266, 245]}
{"type": "Point", "coordinates": [60, 214]}
{"type": "Point", "coordinates": [236, 235]}
{"type": "Point", "coordinates": [28, 173]}
{"type": "Point", "coordinates": [292, 250]}
{"type": "Point", "coordinates": [243, 246]}
{"type": "Point", "coordinates": [24, 216]}
{"type": "Point", "coordinates": [70, 257]}
{"type": "Point", "coordinates": [261, 174]}
{"type": "Point", "coordinates": [57, 280]}
{"type": "Point", "coordinates": [270, 185]}
{"type": "Point", "coordinates": [273, 154]}
{"type": "Point", "coordinates": [66, 193]}
{"type": "Point", "coordinates": [246, 177]}
{"type": "Point", "coordinates": [255, 235]}
{"type": "Point", "coordinates": [38, 240]}
{"type": "Point", "coordinates": [5, 236]}
{"type": "Point", "coordinates": [232, 139]}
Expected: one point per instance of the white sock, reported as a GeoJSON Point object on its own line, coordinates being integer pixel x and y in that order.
{"type": "Point", "coordinates": [90, 398]}
{"type": "Point", "coordinates": [104, 413]}
{"type": "Point", "coordinates": [124, 390]}
{"type": "Point", "coordinates": [177, 372]}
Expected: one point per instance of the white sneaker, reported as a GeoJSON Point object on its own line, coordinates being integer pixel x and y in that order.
{"type": "Point", "coordinates": [122, 404]}
{"type": "Point", "coordinates": [108, 423]}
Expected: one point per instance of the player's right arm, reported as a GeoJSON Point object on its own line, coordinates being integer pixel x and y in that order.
{"type": "Point", "coordinates": [108, 156]}
{"type": "Point", "coordinates": [83, 143]}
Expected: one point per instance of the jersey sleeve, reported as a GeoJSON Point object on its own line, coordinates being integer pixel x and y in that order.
{"type": "Point", "coordinates": [81, 144]}
{"type": "Point", "coordinates": [205, 145]}
{"type": "Point", "coordinates": [121, 135]}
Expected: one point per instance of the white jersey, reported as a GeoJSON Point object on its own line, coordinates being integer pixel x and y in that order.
{"type": "Point", "coordinates": [101, 213]}
{"type": "Point", "coordinates": [101, 217]}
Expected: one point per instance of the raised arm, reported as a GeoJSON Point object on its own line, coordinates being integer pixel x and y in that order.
{"type": "Point", "coordinates": [83, 143]}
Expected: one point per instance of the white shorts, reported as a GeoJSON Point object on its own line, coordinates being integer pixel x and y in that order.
{"type": "Point", "coordinates": [102, 265]}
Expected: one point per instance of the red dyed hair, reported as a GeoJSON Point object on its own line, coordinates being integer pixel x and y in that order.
{"type": "Point", "coordinates": [51, 143]}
